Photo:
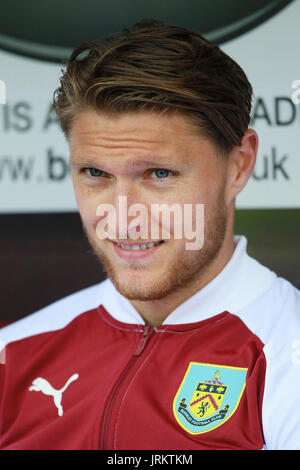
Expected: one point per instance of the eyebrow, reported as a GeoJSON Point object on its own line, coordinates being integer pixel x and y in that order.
{"type": "Point", "coordinates": [89, 162]}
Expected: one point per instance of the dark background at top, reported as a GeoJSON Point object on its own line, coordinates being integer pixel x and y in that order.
{"type": "Point", "coordinates": [50, 30]}
{"type": "Point", "coordinates": [75, 21]}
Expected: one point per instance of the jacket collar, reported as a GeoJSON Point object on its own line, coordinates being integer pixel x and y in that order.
{"type": "Point", "coordinates": [241, 281]}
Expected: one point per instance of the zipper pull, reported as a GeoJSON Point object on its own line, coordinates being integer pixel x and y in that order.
{"type": "Point", "coordinates": [147, 333]}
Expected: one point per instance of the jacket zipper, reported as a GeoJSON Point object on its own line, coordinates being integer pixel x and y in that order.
{"type": "Point", "coordinates": [147, 333]}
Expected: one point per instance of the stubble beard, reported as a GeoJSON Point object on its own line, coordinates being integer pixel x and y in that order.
{"type": "Point", "coordinates": [182, 270]}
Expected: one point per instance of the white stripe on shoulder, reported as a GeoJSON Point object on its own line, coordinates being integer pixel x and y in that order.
{"type": "Point", "coordinates": [55, 315]}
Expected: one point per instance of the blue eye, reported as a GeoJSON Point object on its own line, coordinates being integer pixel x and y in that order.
{"type": "Point", "coordinates": [161, 173]}
{"type": "Point", "coordinates": [94, 171]}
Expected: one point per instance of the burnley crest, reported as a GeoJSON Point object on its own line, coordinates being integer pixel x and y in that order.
{"type": "Point", "coordinates": [208, 395]}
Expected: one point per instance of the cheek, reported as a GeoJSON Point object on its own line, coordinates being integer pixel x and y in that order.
{"type": "Point", "coordinates": [87, 206]}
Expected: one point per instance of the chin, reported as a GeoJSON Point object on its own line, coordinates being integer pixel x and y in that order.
{"type": "Point", "coordinates": [139, 293]}
{"type": "Point", "coordinates": [138, 285]}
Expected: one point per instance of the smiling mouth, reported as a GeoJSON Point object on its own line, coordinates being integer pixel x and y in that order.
{"type": "Point", "coordinates": [134, 246]}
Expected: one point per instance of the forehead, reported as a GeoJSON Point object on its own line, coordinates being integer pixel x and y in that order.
{"type": "Point", "coordinates": [135, 134]}
{"type": "Point", "coordinates": [140, 126]}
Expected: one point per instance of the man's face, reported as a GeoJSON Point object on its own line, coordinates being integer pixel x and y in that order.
{"type": "Point", "coordinates": [149, 159]}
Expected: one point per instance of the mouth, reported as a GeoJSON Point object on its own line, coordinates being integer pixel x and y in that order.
{"type": "Point", "coordinates": [133, 251]}
{"type": "Point", "coordinates": [136, 246]}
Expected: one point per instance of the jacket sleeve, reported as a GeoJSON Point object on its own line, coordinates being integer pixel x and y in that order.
{"type": "Point", "coordinates": [281, 403]}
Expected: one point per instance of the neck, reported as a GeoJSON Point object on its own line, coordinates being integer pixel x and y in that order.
{"type": "Point", "coordinates": [154, 312]}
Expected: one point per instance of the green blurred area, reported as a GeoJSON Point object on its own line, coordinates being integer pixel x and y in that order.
{"type": "Point", "coordinates": [273, 239]}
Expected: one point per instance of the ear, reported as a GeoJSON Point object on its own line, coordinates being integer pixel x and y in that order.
{"type": "Point", "coordinates": [241, 164]}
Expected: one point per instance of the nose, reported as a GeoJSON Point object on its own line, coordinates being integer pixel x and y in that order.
{"type": "Point", "coordinates": [131, 211]}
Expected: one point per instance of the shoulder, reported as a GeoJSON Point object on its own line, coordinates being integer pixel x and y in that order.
{"type": "Point", "coordinates": [275, 314]}
{"type": "Point", "coordinates": [56, 315]}
{"type": "Point", "coordinates": [275, 318]}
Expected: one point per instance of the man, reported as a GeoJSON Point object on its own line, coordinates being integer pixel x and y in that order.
{"type": "Point", "coordinates": [180, 347]}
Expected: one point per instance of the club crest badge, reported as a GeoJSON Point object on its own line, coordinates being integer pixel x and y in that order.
{"type": "Point", "coordinates": [208, 396]}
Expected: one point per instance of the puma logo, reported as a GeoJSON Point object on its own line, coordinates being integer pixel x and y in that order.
{"type": "Point", "coordinates": [42, 385]}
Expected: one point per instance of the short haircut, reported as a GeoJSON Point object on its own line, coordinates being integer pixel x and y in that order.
{"type": "Point", "coordinates": [160, 68]}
